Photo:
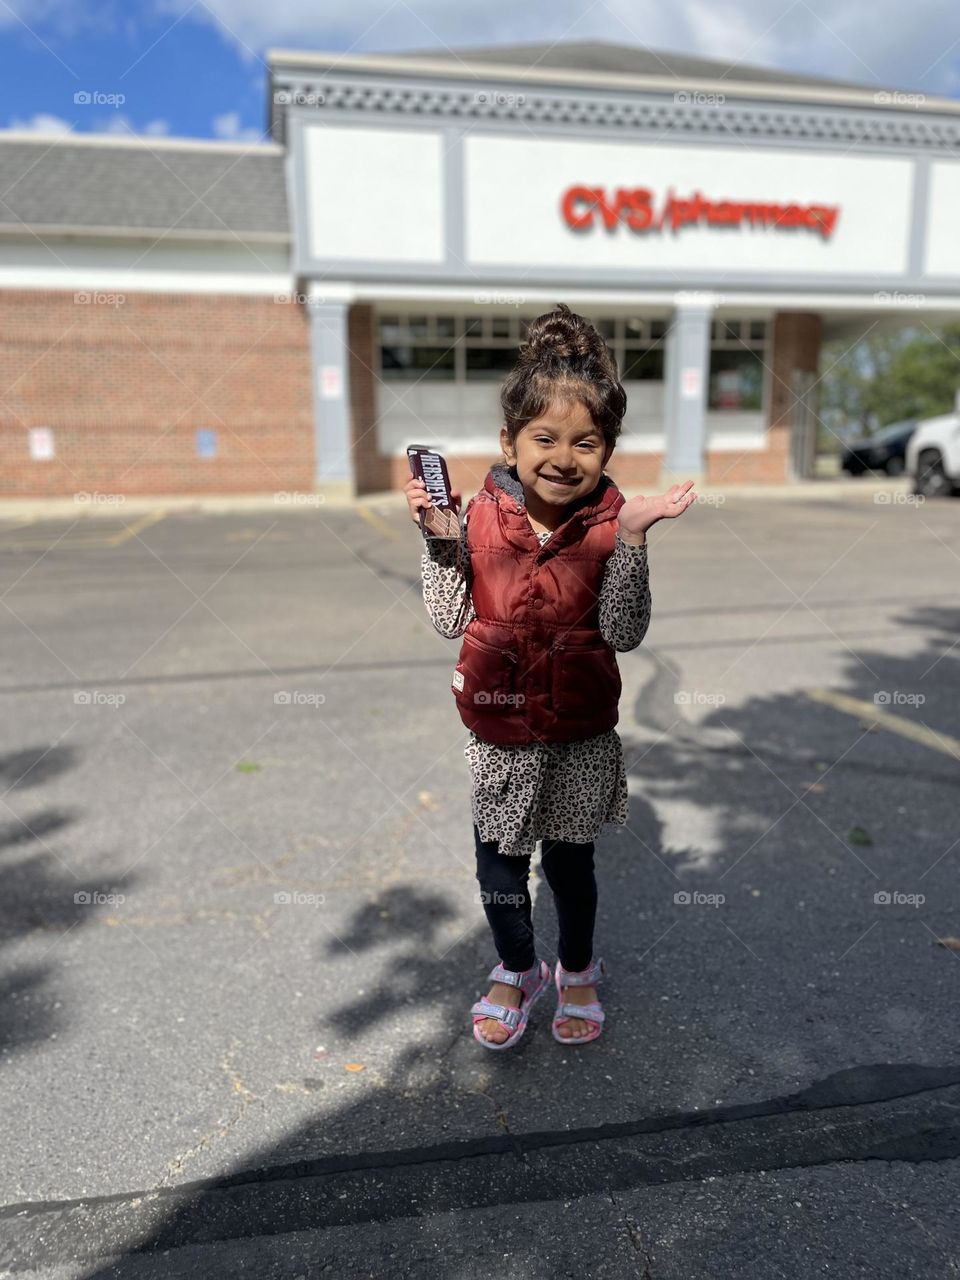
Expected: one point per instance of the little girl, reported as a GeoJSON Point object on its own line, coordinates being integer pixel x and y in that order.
{"type": "Point", "coordinates": [549, 577]}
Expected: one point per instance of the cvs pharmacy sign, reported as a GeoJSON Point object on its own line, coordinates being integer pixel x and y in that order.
{"type": "Point", "coordinates": [584, 207]}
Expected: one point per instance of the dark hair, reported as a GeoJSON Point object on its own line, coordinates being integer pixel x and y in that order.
{"type": "Point", "coordinates": [563, 358]}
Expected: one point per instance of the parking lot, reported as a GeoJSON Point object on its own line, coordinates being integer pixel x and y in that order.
{"type": "Point", "coordinates": [240, 933]}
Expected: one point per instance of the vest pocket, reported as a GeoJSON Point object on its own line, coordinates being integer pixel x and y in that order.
{"type": "Point", "coordinates": [585, 681]}
{"type": "Point", "coordinates": [487, 674]}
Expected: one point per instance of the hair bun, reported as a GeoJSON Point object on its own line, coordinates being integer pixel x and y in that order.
{"type": "Point", "coordinates": [560, 335]}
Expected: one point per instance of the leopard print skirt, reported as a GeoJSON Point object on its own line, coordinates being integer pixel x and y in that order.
{"type": "Point", "coordinates": [561, 791]}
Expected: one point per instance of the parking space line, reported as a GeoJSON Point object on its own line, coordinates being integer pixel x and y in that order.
{"type": "Point", "coordinates": [43, 544]}
{"type": "Point", "coordinates": [942, 742]}
{"type": "Point", "coordinates": [378, 524]}
{"type": "Point", "coordinates": [137, 527]}
{"type": "Point", "coordinates": [92, 534]}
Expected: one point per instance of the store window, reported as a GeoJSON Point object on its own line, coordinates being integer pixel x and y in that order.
{"type": "Point", "coordinates": [418, 362]}
{"type": "Point", "coordinates": [642, 365]}
{"type": "Point", "coordinates": [489, 362]}
{"type": "Point", "coordinates": [738, 359]}
{"type": "Point", "coordinates": [638, 345]}
{"type": "Point", "coordinates": [481, 348]}
{"type": "Point", "coordinates": [418, 348]}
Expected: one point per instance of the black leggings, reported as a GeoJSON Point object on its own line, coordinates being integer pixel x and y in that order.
{"type": "Point", "coordinates": [568, 869]}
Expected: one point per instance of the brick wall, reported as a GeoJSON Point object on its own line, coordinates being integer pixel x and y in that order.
{"type": "Point", "coordinates": [796, 345]}
{"type": "Point", "coordinates": [126, 386]}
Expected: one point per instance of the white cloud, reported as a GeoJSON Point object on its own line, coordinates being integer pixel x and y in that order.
{"type": "Point", "coordinates": [118, 123]}
{"type": "Point", "coordinates": [228, 127]}
{"type": "Point", "coordinates": [114, 124]}
{"type": "Point", "coordinates": [42, 123]}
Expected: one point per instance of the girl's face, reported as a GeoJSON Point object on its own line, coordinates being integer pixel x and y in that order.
{"type": "Point", "coordinates": [559, 456]}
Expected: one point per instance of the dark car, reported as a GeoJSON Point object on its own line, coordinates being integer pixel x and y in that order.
{"type": "Point", "coordinates": [883, 451]}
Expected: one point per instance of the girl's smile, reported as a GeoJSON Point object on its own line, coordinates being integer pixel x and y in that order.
{"type": "Point", "coordinates": [559, 457]}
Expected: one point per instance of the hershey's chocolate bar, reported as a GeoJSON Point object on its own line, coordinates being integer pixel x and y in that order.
{"type": "Point", "coordinates": [440, 520]}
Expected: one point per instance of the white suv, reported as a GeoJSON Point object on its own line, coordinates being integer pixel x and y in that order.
{"type": "Point", "coordinates": [933, 456]}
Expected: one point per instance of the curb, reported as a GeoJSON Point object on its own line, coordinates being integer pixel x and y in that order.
{"type": "Point", "coordinates": [117, 505]}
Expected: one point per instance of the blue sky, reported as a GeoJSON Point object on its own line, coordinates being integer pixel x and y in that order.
{"type": "Point", "coordinates": [195, 68]}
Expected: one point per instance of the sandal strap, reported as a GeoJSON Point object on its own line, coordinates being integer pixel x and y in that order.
{"type": "Point", "coordinates": [589, 1012]}
{"type": "Point", "coordinates": [588, 977]}
{"type": "Point", "coordinates": [513, 978]}
{"type": "Point", "coordinates": [509, 1017]}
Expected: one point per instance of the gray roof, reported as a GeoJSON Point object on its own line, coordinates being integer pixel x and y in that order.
{"type": "Point", "coordinates": [175, 186]}
{"type": "Point", "coordinates": [604, 56]}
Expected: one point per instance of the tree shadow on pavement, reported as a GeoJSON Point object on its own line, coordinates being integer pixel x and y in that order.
{"type": "Point", "coordinates": [750, 953]}
{"type": "Point", "coordinates": [42, 898]}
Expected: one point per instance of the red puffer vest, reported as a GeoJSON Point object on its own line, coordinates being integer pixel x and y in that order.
{"type": "Point", "coordinates": [533, 665]}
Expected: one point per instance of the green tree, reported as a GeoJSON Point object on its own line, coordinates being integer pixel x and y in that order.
{"type": "Point", "coordinates": [885, 377]}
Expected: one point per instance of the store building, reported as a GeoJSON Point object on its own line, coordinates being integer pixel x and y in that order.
{"type": "Point", "coordinates": [295, 314]}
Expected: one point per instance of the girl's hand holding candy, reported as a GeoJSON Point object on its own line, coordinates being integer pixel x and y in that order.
{"type": "Point", "coordinates": [417, 497]}
{"type": "Point", "coordinates": [639, 513]}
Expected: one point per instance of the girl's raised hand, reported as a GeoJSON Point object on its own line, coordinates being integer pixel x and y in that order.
{"type": "Point", "coordinates": [417, 497]}
{"type": "Point", "coordinates": [639, 513]}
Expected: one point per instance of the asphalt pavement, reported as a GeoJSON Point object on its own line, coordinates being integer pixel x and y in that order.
{"type": "Point", "coordinates": [240, 934]}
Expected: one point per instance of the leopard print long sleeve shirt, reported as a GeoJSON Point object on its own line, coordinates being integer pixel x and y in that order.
{"type": "Point", "coordinates": [560, 791]}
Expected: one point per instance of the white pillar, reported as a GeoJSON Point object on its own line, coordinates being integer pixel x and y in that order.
{"type": "Point", "coordinates": [329, 308]}
{"type": "Point", "coordinates": [686, 375]}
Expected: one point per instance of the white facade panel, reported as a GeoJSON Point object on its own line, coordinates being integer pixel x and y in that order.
{"type": "Point", "coordinates": [151, 266]}
{"type": "Point", "coordinates": [943, 237]}
{"type": "Point", "coordinates": [515, 186]}
{"type": "Point", "coordinates": [374, 194]}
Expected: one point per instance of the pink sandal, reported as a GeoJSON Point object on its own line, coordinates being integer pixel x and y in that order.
{"type": "Point", "coordinates": [532, 983]}
{"type": "Point", "coordinates": [592, 1012]}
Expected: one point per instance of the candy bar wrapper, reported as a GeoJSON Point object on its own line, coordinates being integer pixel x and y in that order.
{"type": "Point", "coordinates": [439, 520]}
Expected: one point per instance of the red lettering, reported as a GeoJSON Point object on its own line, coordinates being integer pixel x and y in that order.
{"type": "Point", "coordinates": [609, 212]}
{"type": "Point", "coordinates": [633, 207]}
{"type": "Point", "coordinates": [639, 216]}
{"type": "Point", "coordinates": [572, 197]}
{"type": "Point", "coordinates": [823, 219]}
